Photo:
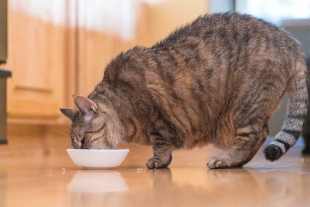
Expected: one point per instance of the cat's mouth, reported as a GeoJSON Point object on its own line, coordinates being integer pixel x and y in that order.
{"type": "Point", "coordinates": [97, 144]}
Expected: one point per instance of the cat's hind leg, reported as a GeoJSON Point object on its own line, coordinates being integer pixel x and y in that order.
{"type": "Point", "coordinates": [248, 141]}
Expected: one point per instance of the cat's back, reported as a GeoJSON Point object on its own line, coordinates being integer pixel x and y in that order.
{"type": "Point", "coordinates": [223, 29]}
{"type": "Point", "coordinates": [225, 42]}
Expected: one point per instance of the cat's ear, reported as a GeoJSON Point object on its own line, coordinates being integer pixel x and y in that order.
{"type": "Point", "coordinates": [70, 113]}
{"type": "Point", "coordinates": [85, 106]}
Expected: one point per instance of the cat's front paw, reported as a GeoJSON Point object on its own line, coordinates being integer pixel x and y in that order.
{"type": "Point", "coordinates": [215, 163]}
{"type": "Point", "coordinates": [155, 163]}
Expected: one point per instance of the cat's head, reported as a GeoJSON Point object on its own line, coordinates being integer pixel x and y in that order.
{"type": "Point", "coordinates": [94, 125]}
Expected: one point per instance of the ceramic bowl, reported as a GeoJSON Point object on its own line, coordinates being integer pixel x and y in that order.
{"type": "Point", "coordinates": [97, 159]}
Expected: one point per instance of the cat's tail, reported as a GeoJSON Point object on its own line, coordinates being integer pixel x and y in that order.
{"type": "Point", "coordinates": [297, 112]}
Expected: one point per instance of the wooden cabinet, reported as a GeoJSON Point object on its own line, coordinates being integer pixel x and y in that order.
{"type": "Point", "coordinates": [59, 48]}
{"type": "Point", "coordinates": [105, 29]}
{"type": "Point", "coordinates": [166, 16]}
{"type": "Point", "coordinates": [37, 59]}
{"type": "Point", "coordinates": [108, 27]}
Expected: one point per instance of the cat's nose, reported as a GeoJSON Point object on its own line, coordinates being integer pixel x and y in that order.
{"type": "Point", "coordinates": [84, 147]}
{"type": "Point", "coordinates": [76, 145]}
{"type": "Point", "coordinates": [83, 144]}
{"type": "Point", "coordinates": [82, 141]}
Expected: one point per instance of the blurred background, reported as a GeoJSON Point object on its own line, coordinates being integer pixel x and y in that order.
{"type": "Point", "coordinates": [56, 48]}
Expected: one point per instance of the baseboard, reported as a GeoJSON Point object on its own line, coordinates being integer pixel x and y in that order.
{"type": "Point", "coordinates": [35, 139]}
{"type": "Point", "coordinates": [3, 141]}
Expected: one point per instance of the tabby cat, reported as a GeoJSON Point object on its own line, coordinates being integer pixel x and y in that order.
{"type": "Point", "coordinates": [217, 80]}
{"type": "Point", "coordinates": [306, 128]}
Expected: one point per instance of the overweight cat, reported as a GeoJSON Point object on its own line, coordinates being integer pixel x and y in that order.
{"type": "Point", "coordinates": [214, 81]}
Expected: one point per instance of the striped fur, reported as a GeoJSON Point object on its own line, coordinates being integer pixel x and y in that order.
{"type": "Point", "coordinates": [306, 128]}
{"type": "Point", "coordinates": [215, 81]}
{"type": "Point", "coordinates": [297, 112]}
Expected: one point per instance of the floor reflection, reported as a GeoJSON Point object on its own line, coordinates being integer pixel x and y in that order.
{"type": "Point", "coordinates": [90, 188]}
{"type": "Point", "coordinates": [192, 187]}
{"type": "Point", "coordinates": [259, 184]}
{"type": "Point", "coordinates": [279, 194]}
{"type": "Point", "coordinates": [3, 188]}
{"type": "Point", "coordinates": [213, 187]}
{"type": "Point", "coordinates": [261, 187]}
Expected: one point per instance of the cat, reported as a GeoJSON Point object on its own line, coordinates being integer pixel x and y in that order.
{"type": "Point", "coordinates": [306, 128]}
{"type": "Point", "coordinates": [214, 81]}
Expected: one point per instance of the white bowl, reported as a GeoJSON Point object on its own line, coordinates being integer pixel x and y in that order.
{"type": "Point", "coordinates": [97, 159]}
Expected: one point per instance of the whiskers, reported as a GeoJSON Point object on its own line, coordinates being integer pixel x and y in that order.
{"type": "Point", "coordinates": [67, 139]}
{"type": "Point", "coordinates": [62, 134]}
{"type": "Point", "coordinates": [65, 145]}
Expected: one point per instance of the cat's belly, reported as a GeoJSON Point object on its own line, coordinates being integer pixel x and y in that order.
{"type": "Point", "coordinates": [224, 141]}
{"type": "Point", "coordinates": [197, 143]}
{"type": "Point", "coordinates": [222, 136]}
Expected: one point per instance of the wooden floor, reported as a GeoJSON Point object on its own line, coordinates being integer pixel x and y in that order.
{"type": "Point", "coordinates": [53, 180]}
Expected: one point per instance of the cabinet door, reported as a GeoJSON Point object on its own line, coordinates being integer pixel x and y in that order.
{"type": "Point", "coordinates": [105, 28]}
{"type": "Point", "coordinates": [36, 57]}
